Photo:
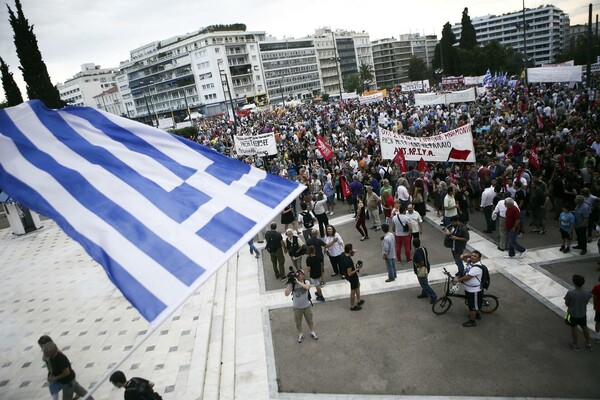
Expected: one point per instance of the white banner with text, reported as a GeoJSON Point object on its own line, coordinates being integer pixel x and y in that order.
{"type": "Point", "coordinates": [262, 145]}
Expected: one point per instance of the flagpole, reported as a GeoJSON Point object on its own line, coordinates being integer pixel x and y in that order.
{"type": "Point", "coordinates": [107, 375]}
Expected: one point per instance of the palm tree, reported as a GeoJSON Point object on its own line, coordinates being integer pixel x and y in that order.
{"type": "Point", "coordinates": [365, 73]}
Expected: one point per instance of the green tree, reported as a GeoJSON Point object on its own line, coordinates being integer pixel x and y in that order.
{"type": "Point", "coordinates": [32, 66]}
{"type": "Point", "coordinates": [353, 83]}
{"type": "Point", "coordinates": [11, 90]}
{"type": "Point", "coordinates": [417, 69]}
{"type": "Point", "coordinates": [468, 37]}
{"type": "Point", "coordinates": [579, 50]}
{"type": "Point", "coordinates": [365, 73]}
{"type": "Point", "coordinates": [445, 53]}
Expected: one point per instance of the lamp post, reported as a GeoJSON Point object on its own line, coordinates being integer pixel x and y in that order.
{"type": "Point", "coordinates": [281, 91]}
{"type": "Point", "coordinates": [524, 43]}
{"type": "Point", "coordinates": [146, 84]}
{"type": "Point", "coordinates": [336, 64]}
{"type": "Point", "coordinates": [225, 85]}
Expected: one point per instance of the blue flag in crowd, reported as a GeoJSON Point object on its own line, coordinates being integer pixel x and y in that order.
{"type": "Point", "coordinates": [160, 213]}
{"type": "Point", "coordinates": [487, 78]}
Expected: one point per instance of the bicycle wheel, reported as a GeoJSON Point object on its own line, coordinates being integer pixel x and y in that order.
{"type": "Point", "coordinates": [441, 305]}
{"type": "Point", "coordinates": [489, 303]}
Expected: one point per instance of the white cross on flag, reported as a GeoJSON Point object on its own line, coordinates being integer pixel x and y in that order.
{"type": "Point", "coordinates": [160, 213]}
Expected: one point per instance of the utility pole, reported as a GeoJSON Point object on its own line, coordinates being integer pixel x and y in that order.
{"type": "Point", "coordinates": [589, 49]}
{"type": "Point", "coordinates": [336, 58]}
{"type": "Point", "coordinates": [524, 44]}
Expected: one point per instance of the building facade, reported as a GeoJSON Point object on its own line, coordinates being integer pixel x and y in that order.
{"type": "Point", "coordinates": [546, 31]}
{"type": "Point", "coordinates": [290, 69]}
{"type": "Point", "coordinates": [391, 57]}
{"type": "Point", "coordinates": [110, 101]}
{"type": "Point", "coordinates": [89, 82]}
{"type": "Point", "coordinates": [207, 70]}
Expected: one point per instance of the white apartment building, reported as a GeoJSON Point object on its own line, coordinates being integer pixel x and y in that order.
{"type": "Point", "coordinates": [340, 53]}
{"type": "Point", "coordinates": [184, 72]}
{"type": "Point", "coordinates": [83, 86]}
{"type": "Point", "coordinates": [110, 101]}
{"type": "Point", "coordinates": [290, 68]}
{"type": "Point", "coordinates": [546, 32]}
{"type": "Point", "coordinates": [391, 57]}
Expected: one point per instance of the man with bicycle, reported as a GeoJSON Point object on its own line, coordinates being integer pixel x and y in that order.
{"type": "Point", "coordinates": [471, 281]}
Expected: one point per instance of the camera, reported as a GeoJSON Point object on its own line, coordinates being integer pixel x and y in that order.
{"type": "Point", "coordinates": [359, 264]}
{"type": "Point", "coordinates": [291, 277]}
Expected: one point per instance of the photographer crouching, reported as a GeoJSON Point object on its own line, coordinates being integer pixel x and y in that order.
{"type": "Point", "coordinates": [299, 287]}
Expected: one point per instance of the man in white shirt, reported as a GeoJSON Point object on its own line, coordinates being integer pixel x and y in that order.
{"type": "Point", "coordinates": [487, 205]}
{"type": "Point", "coordinates": [472, 283]}
{"type": "Point", "coordinates": [403, 195]}
{"type": "Point", "coordinates": [416, 221]}
{"type": "Point", "coordinates": [499, 214]}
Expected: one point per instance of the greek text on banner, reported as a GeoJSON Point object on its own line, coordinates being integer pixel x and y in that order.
{"type": "Point", "coordinates": [261, 145]}
{"type": "Point", "coordinates": [430, 148]}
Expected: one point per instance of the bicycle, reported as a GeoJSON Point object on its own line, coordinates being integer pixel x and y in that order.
{"type": "Point", "coordinates": [443, 304]}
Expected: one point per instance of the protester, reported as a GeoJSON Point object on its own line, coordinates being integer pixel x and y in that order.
{"type": "Point", "coordinates": [388, 250]}
{"type": "Point", "coordinates": [513, 227]}
{"type": "Point", "coordinates": [315, 271]}
{"type": "Point", "coordinates": [403, 232]}
{"type": "Point", "coordinates": [458, 235]}
{"type": "Point", "coordinates": [54, 387]}
{"type": "Point", "coordinates": [352, 275]}
{"type": "Point", "coordinates": [295, 248]}
{"type": "Point", "coordinates": [471, 281]}
{"type": "Point", "coordinates": [276, 247]}
{"type": "Point", "coordinates": [576, 301]}
{"type": "Point", "coordinates": [335, 249]}
{"type": "Point", "coordinates": [62, 372]}
{"type": "Point", "coordinates": [135, 388]}
{"type": "Point", "coordinates": [421, 259]}
{"type": "Point", "coordinates": [302, 307]}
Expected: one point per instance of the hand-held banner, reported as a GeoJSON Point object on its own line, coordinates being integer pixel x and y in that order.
{"type": "Point", "coordinates": [325, 150]}
{"type": "Point", "coordinates": [534, 159]}
{"type": "Point", "coordinates": [160, 213]}
{"type": "Point", "coordinates": [429, 148]}
{"type": "Point", "coordinates": [422, 166]}
{"type": "Point", "coordinates": [401, 161]}
{"type": "Point", "coordinates": [345, 188]}
{"type": "Point", "coordinates": [261, 145]}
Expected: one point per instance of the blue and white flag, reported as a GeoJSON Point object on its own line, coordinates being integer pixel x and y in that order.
{"type": "Point", "coordinates": [487, 78]}
{"type": "Point", "coordinates": [160, 213]}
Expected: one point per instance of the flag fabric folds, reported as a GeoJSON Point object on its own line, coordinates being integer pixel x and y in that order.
{"type": "Point", "coordinates": [422, 166]}
{"type": "Point", "coordinates": [345, 187]}
{"type": "Point", "coordinates": [324, 148]}
{"type": "Point", "coordinates": [534, 159]}
{"type": "Point", "coordinates": [160, 213]}
{"type": "Point", "coordinates": [459, 154]}
{"type": "Point", "coordinates": [487, 78]}
{"type": "Point", "coordinates": [401, 160]}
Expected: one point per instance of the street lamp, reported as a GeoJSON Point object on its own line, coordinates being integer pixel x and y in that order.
{"type": "Point", "coordinates": [336, 64]}
{"type": "Point", "coordinates": [281, 91]}
{"type": "Point", "coordinates": [146, 84]}
{"type": "Point", "coordinates": [525, 42]}
{"type": "Point", "coordinates": [225, 84]}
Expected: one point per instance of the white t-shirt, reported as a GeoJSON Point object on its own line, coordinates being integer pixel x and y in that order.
{"type": "Point", "coordinates": [473, 285]}
{"type": "Point", "coordinates": [415, 219]}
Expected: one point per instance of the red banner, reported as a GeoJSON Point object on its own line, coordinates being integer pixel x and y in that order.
{"type": "Point", "coordinates": [540, 120]}
{"type": "Point", "coordinates": [401, 161]}
{"type": "Point", "coordinates": [345, 188]}
{"type": "Point", "coordinates": [422, 166]}
{"type": "Point", "coordinates": [459, 154]}
{"type": "Point", "coordinates": [324, 148]}
{"type": "Point", "coordinates": [534, 159]}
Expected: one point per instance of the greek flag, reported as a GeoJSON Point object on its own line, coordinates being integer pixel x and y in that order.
{"type": "Point", "coordinates": [160, 213]}
{"type": "Point", "coordinates": [487, 78]}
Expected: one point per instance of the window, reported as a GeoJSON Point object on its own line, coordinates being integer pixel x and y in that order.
{"type": "Point", "coordinates": [217, 50]}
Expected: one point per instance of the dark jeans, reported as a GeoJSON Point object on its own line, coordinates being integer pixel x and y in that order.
{"type": "Point", "coordinates": [323, 222]}
{"type": "Point", "coordinates": [512, 243]}
{"type": "Point", "coordinates": [336, 264]}
{"type": "Point", "coordinates": [426, 289]}
{"type": "Point", "coordinates": [487, 212]}
{"type": "Point", "coordinates": [459, 262]}
{"type": "Point", "coordinates": [581, 237]}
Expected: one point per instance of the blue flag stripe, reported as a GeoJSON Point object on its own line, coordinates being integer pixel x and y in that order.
{"type": "Point", "coordinates": [225, 228]}
{"type": "Point", "coordinates": [269, 191]}
{"type": "Point", "coordinates": [125, 223]}
{"type": "Point", "coordinates": [188, 204]}
{"type": "Point", "coordinates": [148, 304]}
{"type": "Point", "coordinates": [125, 137]}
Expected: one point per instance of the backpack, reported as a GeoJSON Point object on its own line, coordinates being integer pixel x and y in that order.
{"type": "Point", "coordinates": [307, 219]}
{"type": "Point", "coordinates": [271, 243]}
{"type": "Point", "coordinates": [142, 390]}
{"type": "Point", "coordinates": [485, 277]}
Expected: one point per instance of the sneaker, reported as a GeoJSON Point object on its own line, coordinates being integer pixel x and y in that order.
{"type": "Point", "coordinates": [522, 254]}
{"type": "Point", "coordinates": [568, 249]}
{"type": "Point", "coordinates": [322, 283]}
{"type": "Point", "coordinates": [257, 256]}
{"type": "Point", "coordinates": [366, 237]}
{"type": "Point", "coordinates": [583, 252]}
{"type": "Point", "coordinates": [589, 348]}
{"type": "Point", "coordinates": [314, 335]}
{"type": "Point", "coordinates": [573, 347]}
{"type": "Point", "coordinates": [469, 324]}
{"type": "Point", "coordinates": [320, 298]}
{"type": "Point", "coordinates": [356, 308]}
{"type": "Point", "coordinates": [389, 280]}
{"type": "Point", "coordinates": [332, 213]}
{"type": "Point", "coordinates": [362, 238]}
{"type": "Point", "coordinates": [300, 338]}
{"type": "Point", "coordinates": [334, 274]}
{"type": "Point", "coordinates": [562, 248]}
{"type": "Point", "coordinates": [360, 303]}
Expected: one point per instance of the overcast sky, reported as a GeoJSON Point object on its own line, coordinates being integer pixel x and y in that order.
{"type": "Point", "coordinates": [74, 32]}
